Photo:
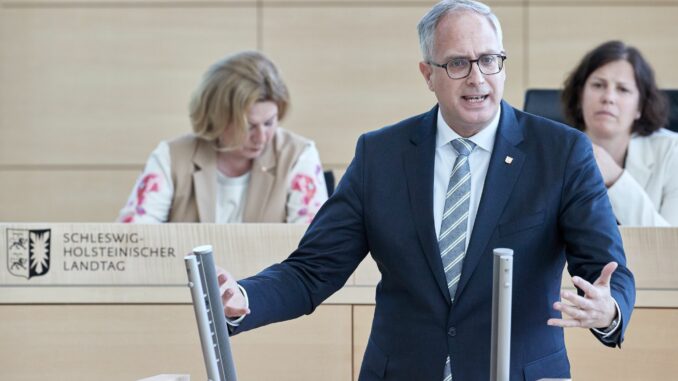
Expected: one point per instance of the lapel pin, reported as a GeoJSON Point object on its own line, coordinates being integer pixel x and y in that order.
{"type": "Point", "coordinates": [508, 160]}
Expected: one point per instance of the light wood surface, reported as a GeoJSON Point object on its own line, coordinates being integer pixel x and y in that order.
{"type": "Point", "coordinates": [168, 377]}
{"type": "Point", "coordinates": [362, 325]}
{"type": "Point", "coordinates": [89, 340]}
{"type": "Point", "coordinates": [102, 86]}
{"type": "Point", "coordinates": [650, 253]}
{"type": "Point", "coordinates": [648, 353]}
{"type": "Point", "coordinates": [129, 3]}
{"type": "Point", "coordinates": [354, 76]}
{"type": "Point", "coordinates": [135, 263]}
{"type": "Point", "coordinates": [100, 83]}
{"type": "Point", "coordinates": [367, 76]}
{"type": "Point", "coordinates": [428, 3]}
{"type": "Point", "coordinates": [84, 194]}
{"type": "Point", "coordinates": [114, 342]}
{"type": "Point", "coordinates": [90, 87]}
{"type": "Point", "coordinates": [149, 268]}
{"type": "Point", "coordinates": [555, 47]}
{"type": "Point", "coordinates": [127, 263]}
{"type": "Point", "coordinates": [129, 342]}
{"type": "Point", "coordinates": [584, 4]}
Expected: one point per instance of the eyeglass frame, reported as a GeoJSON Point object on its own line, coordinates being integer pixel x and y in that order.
{"type": "Point", "coordinates": [503, 58]}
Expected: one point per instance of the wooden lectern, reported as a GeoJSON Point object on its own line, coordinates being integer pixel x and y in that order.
{"type": "Point", "coordinates": [110, 302]}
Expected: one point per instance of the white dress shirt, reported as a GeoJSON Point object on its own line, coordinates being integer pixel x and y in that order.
{"type": "Point", "coordinates": [479, 161]}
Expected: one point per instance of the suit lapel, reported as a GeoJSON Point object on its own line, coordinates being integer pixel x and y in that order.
{"type": "Point", "coordinates": [205, 181]}
{"type": "Point", "coordinates": [499, 182]}
{"type": "Point", "coordinates": [419, 162]}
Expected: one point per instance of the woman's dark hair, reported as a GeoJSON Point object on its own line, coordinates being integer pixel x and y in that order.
{"type": "Point", "coordinates": [652, 102]}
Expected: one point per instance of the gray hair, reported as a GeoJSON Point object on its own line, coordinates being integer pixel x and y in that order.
{"type": "Point", "coordinates": [427, 25]}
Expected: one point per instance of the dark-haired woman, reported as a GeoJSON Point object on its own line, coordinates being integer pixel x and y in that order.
{"type": "Point", "coordinates": [612, 96]}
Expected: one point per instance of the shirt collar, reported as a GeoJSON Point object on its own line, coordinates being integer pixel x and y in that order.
{"type": "Point", "coordinates": [483, 139]}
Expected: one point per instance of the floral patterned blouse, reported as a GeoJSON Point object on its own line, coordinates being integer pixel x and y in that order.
{"type": "Point", "coordinates": [151, 198]}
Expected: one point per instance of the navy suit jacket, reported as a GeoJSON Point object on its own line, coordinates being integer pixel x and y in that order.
{"type": "Point", "coordinates": [549, 205]}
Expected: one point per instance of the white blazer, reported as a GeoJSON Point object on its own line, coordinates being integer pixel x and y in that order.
{"type": "Point", "coordinates": [646, 194]}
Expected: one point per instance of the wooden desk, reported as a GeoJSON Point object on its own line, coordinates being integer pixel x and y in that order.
{"type": "Point", "coordinates": [136, 320]}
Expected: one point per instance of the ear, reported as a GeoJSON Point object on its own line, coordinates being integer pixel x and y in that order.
{"type": "Point", "coordinates": [638, 114]}
{"type": "Point", "coordinates": [426, 71]}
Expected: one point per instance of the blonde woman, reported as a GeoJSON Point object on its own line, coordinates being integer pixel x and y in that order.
{"type": "Point", "coordinates": [237, 165]}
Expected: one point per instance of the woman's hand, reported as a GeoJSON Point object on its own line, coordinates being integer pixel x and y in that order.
{"type": "Point", "coordinates": [610, 170]}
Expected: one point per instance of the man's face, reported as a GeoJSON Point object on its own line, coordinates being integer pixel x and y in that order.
{"type": "Point", "coordinates": [467, 104]}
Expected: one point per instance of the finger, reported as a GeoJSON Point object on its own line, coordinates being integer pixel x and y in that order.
{"type": "Point", "coordinates": [226, 293]}
{"type": "Point", "coordinates": [234, 304]}
{"type": "Point", "coordinates": [220, 271]}
{"type": "Point", "coordinates": [564, 323]}
{"type": "Point", "coordinates": [236, 312]}
{"type": "Point", "coordinates": [606, 274]}
{"type": "Point", "coordinates": [584, 285]}
{"type": "Point", "coordinates": [222, 279]}
{"type": "Point", "coordinates": [576, 300]}
{"type": "Point", "coordinates": [572, 311]}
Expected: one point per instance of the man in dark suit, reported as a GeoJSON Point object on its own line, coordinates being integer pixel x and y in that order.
{"type": "Point", "coordinates": [430, 197]}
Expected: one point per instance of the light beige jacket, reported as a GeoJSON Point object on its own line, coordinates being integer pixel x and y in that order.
{"type": "Point", "coordinates": [194, 175]}
{"type": "Point", "coordinates": [646, 194]}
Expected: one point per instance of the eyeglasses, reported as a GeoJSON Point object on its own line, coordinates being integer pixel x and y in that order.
{"type": "Point", "coordinates": [458, 68]}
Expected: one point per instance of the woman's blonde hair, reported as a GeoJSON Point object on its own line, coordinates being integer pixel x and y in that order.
{"type": "Point", "coordinates": [227, 91]}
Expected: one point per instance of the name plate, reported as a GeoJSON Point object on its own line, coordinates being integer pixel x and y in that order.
{"type": "Point", "coordinates": [127, 263]}
{"type": "Point", "coordinates": [100, 263]}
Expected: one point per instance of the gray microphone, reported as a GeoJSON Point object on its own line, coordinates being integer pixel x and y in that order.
{"type": "Point", "coordinates": [502, 288]}
{"type": "Point", "coordinates": [209, 313]}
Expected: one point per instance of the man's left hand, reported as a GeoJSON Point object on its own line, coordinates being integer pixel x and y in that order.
{"type": "Point", "coordinates": [596, 309]}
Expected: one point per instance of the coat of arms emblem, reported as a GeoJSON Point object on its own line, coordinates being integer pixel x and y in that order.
{"type": "Point", "coordinates": [28, 252]}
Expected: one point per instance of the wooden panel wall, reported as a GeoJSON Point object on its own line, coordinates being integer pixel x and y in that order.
{"type": "Point", "coordinates": [556, 47]}
{"type": "Point", "coordinates": [88, 88]}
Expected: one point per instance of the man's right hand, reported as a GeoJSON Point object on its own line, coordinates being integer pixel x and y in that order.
{"type": "Point", "coordinates": [234, 301]}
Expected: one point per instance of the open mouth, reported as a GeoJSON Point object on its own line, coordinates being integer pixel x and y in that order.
{"type": "Point", "coordinates": [474, 98]}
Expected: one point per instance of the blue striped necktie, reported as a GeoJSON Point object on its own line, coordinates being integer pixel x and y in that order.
{"type": "Point", "coordinates": [453, 229]}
